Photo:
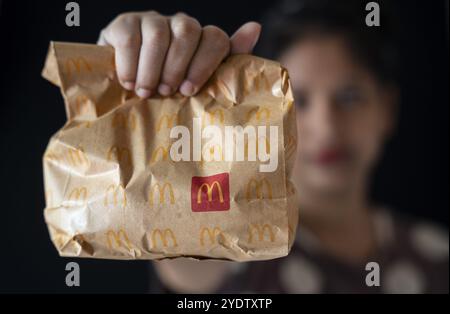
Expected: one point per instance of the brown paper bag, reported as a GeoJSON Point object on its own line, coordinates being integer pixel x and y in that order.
{"type": "Point", "coordinates": [127, 178]}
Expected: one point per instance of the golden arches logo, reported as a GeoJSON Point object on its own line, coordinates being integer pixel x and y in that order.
{"type": "Point", "coordinates": [213, 234]}
{"type": "Point", "coordinates": [209, 190]}
{"type": "Point", "coordinates": [114, 190]}
{"type": "Point", "coordinates": [258, 184]}
{"type": "Point", "coordinates": [120, 153]}
{"type": "Point", "coordinates": [211, 149]}
{"type": "Point", "coordinates": [120, 238]}
{"type": "Point", "coordinates": [164, 236]}
{"type": "Point", "coordinates": [289, 105]}
{"type": "Point", "coordinates": [81, 241]}
{"type": "Point", "coordinates": [211, 115]}
{"type": "Point", "coordinates": [261, 83]}
{"type": "Point", "coordinates": [82, 106]}
{"type": "Point", "coordinates": [209, 200]}
{"type": "Point", "coordinates": [78, 194]}
{"type": "Point", "coordinates": [78, 64]}
{"type": "Point", "coordinates": [80, 124]}
{"type": "Point", "coordinates": [164, 154]}
{"type": "Point", "coordinates": [171, 121]}
{"type": "Point", "coordinates": [257, 114]}
{"type": "Point", "coordinates": [261, 231]}
{"type": "Point", "coordinates": [76, 156]}
{"type": "Point", "coordinates": [161, 189]}
{"type": "Point", "coordinates": [122, 120]}
{"type": "Point", "coordinates": [52, 156]}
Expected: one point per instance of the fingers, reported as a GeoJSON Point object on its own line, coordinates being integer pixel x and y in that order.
{"type": "Point", "coordinates": [214, 46]}
{"type": "Point", "coordinates": [155, 42]}
{"type": "Point", "coordinates": [159, 54]}
{"type": "Point", "coordinates": [245, 38]}
{"type": "Point", "coordinates": [185, 35]}
{"type": "Point", "coordinates": [124, 34]}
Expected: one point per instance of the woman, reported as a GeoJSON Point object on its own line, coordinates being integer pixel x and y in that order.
{"type": "Point", "coordinates": [344, 79]}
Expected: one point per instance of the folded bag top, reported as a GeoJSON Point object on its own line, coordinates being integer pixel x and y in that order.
{"type": "Point", "coordinates": [205, 176]}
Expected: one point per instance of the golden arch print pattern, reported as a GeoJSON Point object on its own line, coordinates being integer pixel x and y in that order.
{"type": "Point", "coordinates": [115, 195]}
{"type": "Point", "coordinates": [262, 232]}
{"type": "Point", "coordinates": [82, 106]}
{"type": "Point", "coordinates": [77, 197]}
{"type": "Point", "coordinates": [259, 115]}
{"type": "Point", "coordinates": [161, 189]}
{"type": "Point", "coordinates": [112, 162]}
{"type": "Point", "coordinates": [118, 239]}
{"type": "Point", "coordinates": [124, 121]}
{"type": "Point", "coordinates": [160, 153]}
{"type": "Point", "coordinates": [77, 65]}
{"type": "Point", "coordinates": [207, 237]}
{"type": "Point", "coordinates": [80, 65]}
{"type": "Point", "coordinates": [213, 117]}
{"type": "Point", "coordinates": [167, 120]}
{"type": "Point", "coordinates": [122, 154]}
{"type": "Point", "coordinates": [213, 235]}
{"type": "Point", "coordinates": [260, 189]}
{"type": "Point", "coordinates": [165, 237]}
{"type": "Point", "coordinates": [74, 157]}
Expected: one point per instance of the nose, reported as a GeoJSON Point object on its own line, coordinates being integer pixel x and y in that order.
{"type": "Point", "coordinates": [319, 122]}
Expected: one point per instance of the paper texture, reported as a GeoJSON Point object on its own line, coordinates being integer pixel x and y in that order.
{"type": "Point", "coordinates": [113, 189]}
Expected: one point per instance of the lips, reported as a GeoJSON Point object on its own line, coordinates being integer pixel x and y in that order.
{"type": "Point", "coordinates": [330, 157]}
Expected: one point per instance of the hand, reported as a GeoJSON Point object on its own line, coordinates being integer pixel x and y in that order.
{"type": "Point", "coordinates": [156, 53]}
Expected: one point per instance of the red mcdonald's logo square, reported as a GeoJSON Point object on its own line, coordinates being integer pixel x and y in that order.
{"type": "Point", "coordinates": [210, 193]}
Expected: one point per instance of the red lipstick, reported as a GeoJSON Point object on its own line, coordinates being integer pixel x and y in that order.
{"type": "Point", "coordinates": [329, 157]}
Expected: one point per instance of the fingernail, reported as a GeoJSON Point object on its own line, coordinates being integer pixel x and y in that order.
{"type": "Point", "coordinates": [164, 89]}
{"type": "Point", "coordinates": [128, 85]}
{"type": "Point", "coordinates": [187, 89]}
{"type": "Point", "coordinates": [143, 93]}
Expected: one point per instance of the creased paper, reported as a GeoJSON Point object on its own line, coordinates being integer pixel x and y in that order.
{"type": "Point", "coordinates": [115, 189]}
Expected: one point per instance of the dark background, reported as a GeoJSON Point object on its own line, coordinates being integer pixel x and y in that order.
{"type": "Point", "coordinates": [412, 177]}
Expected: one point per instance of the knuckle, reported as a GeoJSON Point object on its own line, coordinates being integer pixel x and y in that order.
{"type": "Point", "coordinates": [180, 14]}
{"type": "Point", "coordinates": [103, 33]}
{"type": "Point", "coordinates": [126, 19]}
{"type": "Point", "coordinates": [214, 32]}
{"type": "Point", "coordinates": [156, 35]}
{"type": "Point", "coordinates": [152, 13]}
{"type": "Point", "coordinates": [219, 40]}
{"type": "Point", "coordinates": [128, 39]}
{"type": "Point", "coordinates": [186, 27]}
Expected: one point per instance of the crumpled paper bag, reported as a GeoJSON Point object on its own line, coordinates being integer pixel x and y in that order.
{"type": "Point", "coordinates": [115, 189]}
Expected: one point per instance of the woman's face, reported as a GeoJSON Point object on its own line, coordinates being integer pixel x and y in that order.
{"type": "Point", "coordinates": [343, 114]}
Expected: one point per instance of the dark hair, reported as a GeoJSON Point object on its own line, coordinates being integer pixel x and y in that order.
{"type": "Point", "coordinates": [374, 47]}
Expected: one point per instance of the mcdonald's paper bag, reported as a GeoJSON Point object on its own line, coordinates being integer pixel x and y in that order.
{"type": "Point", "coordinates": [203, 177]}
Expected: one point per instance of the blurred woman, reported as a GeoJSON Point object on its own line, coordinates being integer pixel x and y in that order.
{"type": "Point", "coordinates": [344, 78]}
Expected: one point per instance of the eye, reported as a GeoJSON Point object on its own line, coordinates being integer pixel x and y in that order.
{"type": "Point", "coordinates": [348, 98]}
{"type": "Point", "coordinates": [300, 100]}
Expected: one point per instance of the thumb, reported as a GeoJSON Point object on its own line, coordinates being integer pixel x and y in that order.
{"type": "Point", "coordinates": [245, 38]}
